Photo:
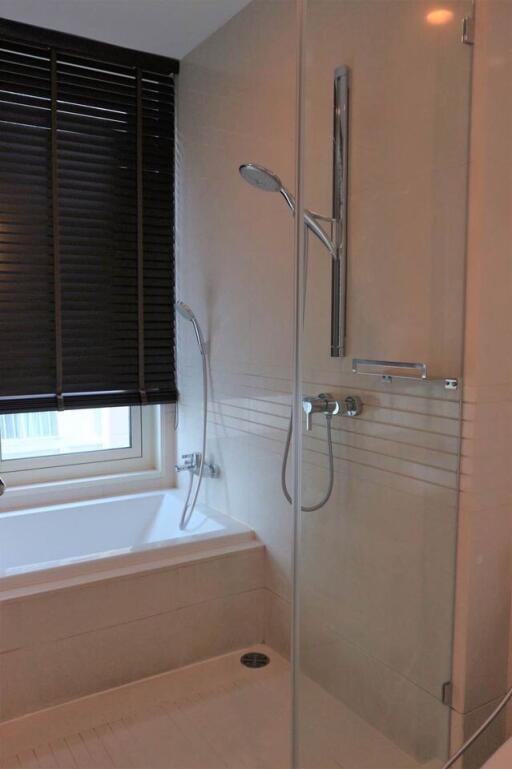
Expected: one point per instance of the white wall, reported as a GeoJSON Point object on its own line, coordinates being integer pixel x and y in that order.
{"type": "Point", "coordinates": [168, 27]}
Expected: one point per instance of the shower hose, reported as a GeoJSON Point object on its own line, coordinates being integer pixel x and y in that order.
{"type": "Point", "coordinates": [328, 493]}
{"type": "Point", "coordinates": [328, 417]}
{"type": "Point", "coordinates": [188, 507]}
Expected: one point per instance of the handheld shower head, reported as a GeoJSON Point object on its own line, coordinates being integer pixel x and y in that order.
{"type": "Point", "coordinates": [185, 311]}
{"type": "Point", "coordinates": [260, 177]}
{"type": "Point", "coordinates": [263, 179]}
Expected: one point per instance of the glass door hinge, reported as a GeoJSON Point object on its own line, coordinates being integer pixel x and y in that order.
{"type": "Point", "coordinates": [447, 693]}
{"type": "Point", "coordinates": [468, 30]}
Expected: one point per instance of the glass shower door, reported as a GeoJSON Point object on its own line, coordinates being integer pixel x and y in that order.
{"type": "Point", "coordinates": [376, 559]}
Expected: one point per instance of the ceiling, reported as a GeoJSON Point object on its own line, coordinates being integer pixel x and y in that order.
{"type": "Point", "coordinates": [168, 27]}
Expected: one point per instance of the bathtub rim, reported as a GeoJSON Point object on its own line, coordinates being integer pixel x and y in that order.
{"type": "Point", "coordinates": [154, 555]}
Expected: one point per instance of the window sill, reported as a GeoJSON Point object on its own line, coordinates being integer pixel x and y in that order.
{"type": "Point", "coordinates": [80, 489]}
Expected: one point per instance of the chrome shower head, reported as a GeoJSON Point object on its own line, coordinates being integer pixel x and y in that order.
{"type": "Point", "coordinates": [185, 311]}
{"type": "Point", "coordinates": [268, 181]}
{"type": "Point", "coordinates": [261, 177]}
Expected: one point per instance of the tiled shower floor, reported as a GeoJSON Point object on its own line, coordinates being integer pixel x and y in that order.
{"type": "Point", "coordinates": [213, 715]}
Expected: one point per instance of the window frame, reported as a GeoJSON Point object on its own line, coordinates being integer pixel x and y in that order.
{"type": "Point", "coordinates": [45, 461]}
{"type": "Point", "coordinates": [141, 456]}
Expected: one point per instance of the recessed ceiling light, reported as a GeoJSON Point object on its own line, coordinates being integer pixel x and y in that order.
{"type": "Point", "coordinates": [439, 16]}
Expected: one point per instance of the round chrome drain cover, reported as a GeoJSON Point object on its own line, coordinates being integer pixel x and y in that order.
{"type": "Point", "coordinates": [254, 660]}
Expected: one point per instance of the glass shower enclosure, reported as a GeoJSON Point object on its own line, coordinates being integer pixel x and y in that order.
{"type": "Point", "coordinates": [383, 126]}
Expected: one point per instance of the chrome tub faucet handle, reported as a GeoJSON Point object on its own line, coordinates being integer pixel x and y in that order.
{"type": "Point", "coordinates": [190, 462]}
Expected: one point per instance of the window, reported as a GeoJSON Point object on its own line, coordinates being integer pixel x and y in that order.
{"type": "Point", "coordinates": [83, 445]}
{"type": "Point", "coordinates": [54, 433]}
{"type": "Point", "coordinates": [86, 255]}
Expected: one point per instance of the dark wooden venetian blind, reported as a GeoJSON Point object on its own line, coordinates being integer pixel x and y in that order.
{"type": "Point", "coordinates": [86, 223]}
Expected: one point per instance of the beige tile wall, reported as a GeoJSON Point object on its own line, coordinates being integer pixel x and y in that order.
{"type": "Point", "coordinates": [235, 268]}
{"type": "Point", "coordinates": [67, 643]}
{"type": "Point", "coordinates": [409, 121]}
{"type": "Point", "coordinates": [378, 561]}
{"type": "Point", "coordinates": [482, 642]}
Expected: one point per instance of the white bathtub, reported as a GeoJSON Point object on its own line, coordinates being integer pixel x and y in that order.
{"type": "Point", "coordinates": [68, 544]}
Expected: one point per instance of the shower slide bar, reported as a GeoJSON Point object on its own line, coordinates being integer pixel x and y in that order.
{"type": "Point", "coordinates": [339, 211]}
{"type": "Point", "coordinates": [333, 236]}
{"type": "Point", "coordinates": [387, 371]}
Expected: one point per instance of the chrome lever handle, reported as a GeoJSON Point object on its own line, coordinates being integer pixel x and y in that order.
{"type": "Point", "coordinates": [351, 406]}
{"type": "Point", "coordinates": [322, 404]}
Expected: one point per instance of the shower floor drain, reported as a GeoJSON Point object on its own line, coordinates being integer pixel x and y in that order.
{"type": "Point", "coordinates": [254, 660]}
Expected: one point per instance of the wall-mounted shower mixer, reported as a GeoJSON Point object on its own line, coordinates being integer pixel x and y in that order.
{"type": "Point", "coordinates": [325, 404]}
{"type": "Point", "coordinates": [322, 404]}
{"type": "Point", "coordinates": [192, 463]}
{"type": "Point", "coordinates": [351, 406]}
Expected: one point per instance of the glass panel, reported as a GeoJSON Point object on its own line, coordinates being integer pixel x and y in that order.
{"type": "Point", "coordinates": [66, 432]}
{"type": "Point", "coordinates": [235, 269]}
{"type": "Point", "coordinates": [377, 558]}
